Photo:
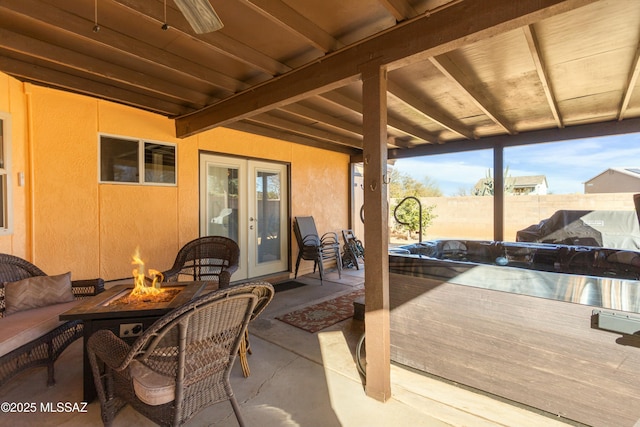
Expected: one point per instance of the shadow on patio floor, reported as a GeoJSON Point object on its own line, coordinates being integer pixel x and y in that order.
{"type": "Point", "coordinates": [297, 379]}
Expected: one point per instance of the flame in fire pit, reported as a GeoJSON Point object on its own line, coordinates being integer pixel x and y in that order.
{"type": "Point", "coordinates": [144, 285]}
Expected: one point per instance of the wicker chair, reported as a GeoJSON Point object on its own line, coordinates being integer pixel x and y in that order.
{"type": "Point", "coordinates": [44, 350]}
{"type": "Point", "coordinates": [316, 248]}
{"type": "Point", "coordinates": [190, 351]}
{"type": "Point", "coordinates": [205, 258]}
{"type": "Point", "coordinates": [212, 258]}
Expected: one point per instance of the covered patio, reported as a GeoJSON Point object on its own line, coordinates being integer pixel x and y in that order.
{"type": "Point", "coordinates": [297, 379]}
{"type": "Point", "coordinates": [317, 88]}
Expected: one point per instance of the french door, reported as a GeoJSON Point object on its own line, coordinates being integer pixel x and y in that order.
{"type": "Point", "coordinates": [246, 200]}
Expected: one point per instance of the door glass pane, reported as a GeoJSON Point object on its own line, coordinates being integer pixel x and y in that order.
{"type": "Point", "coordinates": [222, 201]}
{"type": "Point", "coordinates": [268, 204]}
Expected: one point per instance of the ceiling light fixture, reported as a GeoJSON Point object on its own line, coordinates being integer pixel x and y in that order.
{"type": "Point", "coordinates": [200, 14]}
{"type": "Point", "coordinates": [96, 27]}
{"type": "Point", "coordinates": [165, 26]}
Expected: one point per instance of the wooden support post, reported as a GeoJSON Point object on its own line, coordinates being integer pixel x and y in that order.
{"type": "Point", "coordinates": [498, 192]}
{"type": "Point", "coordinates": [376, 232]}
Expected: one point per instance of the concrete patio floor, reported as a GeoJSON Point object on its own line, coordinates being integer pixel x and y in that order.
{"type": "Point", "coordinates": [297, 379]}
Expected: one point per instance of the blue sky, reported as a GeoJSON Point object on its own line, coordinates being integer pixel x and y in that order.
{"type": "Point", "coordinates": [567, 165]}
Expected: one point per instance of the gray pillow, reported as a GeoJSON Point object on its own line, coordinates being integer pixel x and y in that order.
{"type": "Point", "coordinates": [37, 291]}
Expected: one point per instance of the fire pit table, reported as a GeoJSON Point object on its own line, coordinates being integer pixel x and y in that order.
{"type": "Point", "coordinates": [126, 320]}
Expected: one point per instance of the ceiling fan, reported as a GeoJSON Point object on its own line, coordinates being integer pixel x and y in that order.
{"type": "Point", "coordinates": [200, 14]}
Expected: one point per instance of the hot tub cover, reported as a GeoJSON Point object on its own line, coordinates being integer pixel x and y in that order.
{"type": "Point", "coordinates": [609, 229]}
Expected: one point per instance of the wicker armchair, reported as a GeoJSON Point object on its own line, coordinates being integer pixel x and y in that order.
{"type": "Point", "coordinates": [43, 350]}
{"type": "Point", "coordinates": [205, 258]}
{"type": "Point", "coordinates": [316, 248]}
{"type": "Point", "coordinates": [182, 363]}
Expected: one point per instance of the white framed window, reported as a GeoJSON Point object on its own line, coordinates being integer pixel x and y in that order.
{"type": "Point", "coordinates": [6, 223]}
{"type": "Point", "coordinates": [136, 161]}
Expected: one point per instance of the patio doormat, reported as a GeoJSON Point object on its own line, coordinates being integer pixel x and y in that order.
{"type": "Point", "coordinates": [288, 285]}
{"type": "Point", "coordinates": [322, 315]}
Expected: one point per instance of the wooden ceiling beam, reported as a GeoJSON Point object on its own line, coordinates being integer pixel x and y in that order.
{"type": "Point", "coordinates": [631, 84]}
{"type": "Point", "coordinates": [411, 130]}
{"type": "Point", "coordinates": [93, 68]}
{"type": "Point", "coordinates": [257, 129]}
{"type": "Point", "coordinates": [398, 143]}
{"type": "Point", "coordinates": [392, 121]}
{"type": "Point", "coordinates": [70, 83]}
{"type": "Point", "coordinates": [263, 101]}
{"type": "Point", "coordinates": [400, 9]}
{"type": "Point", "coordinates": [464, 84]}
{"type": "Point", "coordinates": [283, 15]}
{"type": "Point", "coordinates": [343, 101]}
{"type": "Point", "coordinates": [427, 111]}
{"type": "Point", "coordinates": [449, 28]}
{"type": "Point", "coordinates": [326, 119]}
{"type": "Point", "coordinates": [216, 40]}
{"type": "Point", "coordinates": [304, 130]}
{"type": "Point", "coordinates": [107, 41]}
{"type": "Point", "coordinates": [536, 54]}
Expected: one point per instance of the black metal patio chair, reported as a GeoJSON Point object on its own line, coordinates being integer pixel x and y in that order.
{"type": "Point", "coordinates": [353, 249]}
{"type": "Point", "coordinates": [316, 248]}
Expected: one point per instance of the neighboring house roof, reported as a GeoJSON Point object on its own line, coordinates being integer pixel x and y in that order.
{"type": "Point", "coordinates": [633, 171]}
{"type": "Point", "coordinates": [527, 181]}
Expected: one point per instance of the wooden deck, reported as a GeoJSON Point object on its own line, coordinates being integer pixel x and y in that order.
{"type": "Point", "coordinates": [535, 351]}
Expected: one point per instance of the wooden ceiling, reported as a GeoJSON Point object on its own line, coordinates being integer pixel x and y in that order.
{"type": "Point", "coordinates": [462, 74]}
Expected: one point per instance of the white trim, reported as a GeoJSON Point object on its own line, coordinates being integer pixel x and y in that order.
{"type": "Point", "coordinates": [8, 154]}
{"type": "Point", "coordinates": [247, 237]}
{"type": "Point", "coordinates": [141, 163]}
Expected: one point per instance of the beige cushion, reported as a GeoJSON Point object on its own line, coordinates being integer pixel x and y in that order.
{"type": "Point", "coordinates": [26, 326]}
{"type": "Point", "coordinates": [151, 387]}
{"type": "Point", "coordinates": [37, 291]}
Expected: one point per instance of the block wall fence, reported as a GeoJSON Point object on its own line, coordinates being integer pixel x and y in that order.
{"type": "Point", "coordinates": [471, 217]}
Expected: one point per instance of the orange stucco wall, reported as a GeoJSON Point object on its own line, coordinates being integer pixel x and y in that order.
{"type": "Point", "coordinates": [65, 221]}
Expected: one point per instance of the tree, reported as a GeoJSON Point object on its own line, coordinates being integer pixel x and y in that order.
{"type": "Point", "coordinates": [403, 185]}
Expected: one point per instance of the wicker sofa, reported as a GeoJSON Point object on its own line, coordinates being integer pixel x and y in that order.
{"type": "Point", "coordinates": [30, 302]}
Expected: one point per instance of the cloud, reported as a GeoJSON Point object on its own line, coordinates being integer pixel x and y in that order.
{"type": "Point", "coordinates": [567, 165]}
{"type": "Point", "coordinates": [449, 176]}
